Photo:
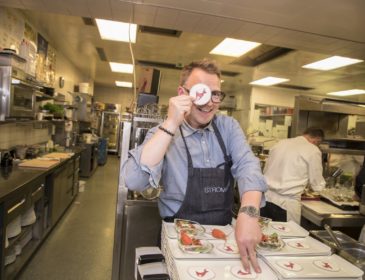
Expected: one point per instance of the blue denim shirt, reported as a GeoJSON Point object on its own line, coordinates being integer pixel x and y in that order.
{"type": "Point", "coordinates": [171, 173]}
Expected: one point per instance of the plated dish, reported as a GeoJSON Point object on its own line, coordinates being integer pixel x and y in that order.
{"type": "Point", "coordinates": [190, 244]}
{"type": "Point", "coordinates": [188, 226]}
{"type": "Point", "coordinates": [271, 242]}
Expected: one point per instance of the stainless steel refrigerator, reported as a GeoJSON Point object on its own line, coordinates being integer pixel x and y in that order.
{"type": "Point", "coordinates": [109, 129]}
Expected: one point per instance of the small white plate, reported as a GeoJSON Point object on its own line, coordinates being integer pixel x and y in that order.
{"type": "Point", "coordinates": [302, 245]}
{"type": "Point", "coordinates": [289, 265]}
{"type": "Point", "coordinates": [327, 265]}
{"type": "Point", "coordinates": [221, 268]}
{"type": "Point", "coordinates": [239, 272]}
{"type": "Point", "coordinates": [201, 272]}
{"type": "Point", "coordinates": [228, 247]}
{"type": "Point", "coordinates": [287, 229]}
{"type": "Point", "coordinates": [281, 227]}
{"type": "Point", "coordinates": [202, 94]}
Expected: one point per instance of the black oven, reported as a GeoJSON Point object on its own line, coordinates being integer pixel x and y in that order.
{"type": "Point", "coordinates": [17, 94]}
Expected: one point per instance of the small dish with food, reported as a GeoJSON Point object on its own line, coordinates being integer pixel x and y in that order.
{"type": "Point", "coordinates": [271, 242]}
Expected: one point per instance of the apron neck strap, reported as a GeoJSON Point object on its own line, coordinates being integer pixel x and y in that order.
{"type": "Point", "coordinates": [221, 142]}
{"type": "Point", "coordinates": [190, 161]}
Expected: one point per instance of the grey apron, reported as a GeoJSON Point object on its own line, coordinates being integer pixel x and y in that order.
{"type": "Point", "coordinates": [209, 191]}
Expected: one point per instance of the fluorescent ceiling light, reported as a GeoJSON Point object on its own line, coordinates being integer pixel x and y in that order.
{"type": "Point", "coordinates": [234, 47]}
{"type": "Point", "coordinates": [121, 67]}
{"type": "Point", "coordinates": [123, 84]}
{"type": "Point", "coordinates": [269, 81]}
{"type": "Point", "coordinates": [116, 30]}
{"type": "Point", "coordinates": [347, 92]}
{"type": "Point", "coordinates": [331, 63]}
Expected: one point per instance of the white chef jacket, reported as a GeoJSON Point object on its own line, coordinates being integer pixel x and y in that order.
{"type": "Point", "coordinates": [291, 165]}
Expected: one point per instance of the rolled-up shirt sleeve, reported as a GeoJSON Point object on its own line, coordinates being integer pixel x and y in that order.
{"type": "Point", "coordinates": [137, 176]}
{"type": "Point", "coordinates": [246, 167]}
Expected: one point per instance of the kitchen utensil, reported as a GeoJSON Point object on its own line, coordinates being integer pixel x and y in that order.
{"type": "Point", "coordinates": [337, 173]}
{"type": "Point", "coordinates": [39, 163]}
{"type": "Point", "coordinates": [333, 236]}
{"type": "Point", "coordinates": [6, 159]}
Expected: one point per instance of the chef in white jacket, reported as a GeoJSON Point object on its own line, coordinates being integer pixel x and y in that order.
{"type": "Point", "coordinates": [291, 165]}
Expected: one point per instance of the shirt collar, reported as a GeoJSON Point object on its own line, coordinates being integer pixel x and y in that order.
{"type": "Point", "coordinates": [189, 130]}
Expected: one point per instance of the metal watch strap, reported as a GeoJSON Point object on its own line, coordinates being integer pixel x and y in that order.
{"type": "Point", "coordinates": [251, 211]}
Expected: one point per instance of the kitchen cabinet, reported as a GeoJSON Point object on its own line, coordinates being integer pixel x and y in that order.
{"type": "Point", "coordinates": [49, 193]}
{"type": "Point", "coordinates": [89, 160]}
{"type": "Point", "coordinates": [62, 187]}
{"type": "Point", "coordinates": [18, 248]}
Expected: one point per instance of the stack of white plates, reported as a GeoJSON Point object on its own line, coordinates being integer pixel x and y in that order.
{"type": "Point", "coordinates": [28, 217]}
{"type": "Point", "coordinates": [14, 227]}
{"type": "Point", "coordinates": [10, 257]}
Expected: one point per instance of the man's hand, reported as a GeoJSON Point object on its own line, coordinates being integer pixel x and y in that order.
{"type": "Point", "coordinates": [179, 107]}
{"type": "Point", "coordinates": [248, 235]}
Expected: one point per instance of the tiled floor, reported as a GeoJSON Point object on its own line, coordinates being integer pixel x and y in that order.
{"type": "Point", "coordinates": [80, 246]}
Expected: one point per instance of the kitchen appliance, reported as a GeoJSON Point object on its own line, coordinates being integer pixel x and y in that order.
{"type": "Point", "coordinates": [109, 129]}
{"type": "Point", "coordinates": [134, 213]}
{"type": "Point", "coordinates": [18, 94]}
{"type": "Point", "coordinates": [362, 201]}
{"type": "Point", "coordinates": [6, 159]}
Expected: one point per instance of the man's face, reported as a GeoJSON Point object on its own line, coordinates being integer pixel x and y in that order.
{"type": "Point", "coordinates": [200, 116]}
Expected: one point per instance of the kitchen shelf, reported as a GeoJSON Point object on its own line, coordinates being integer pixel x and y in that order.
{"type": "Point", "coordinates": [13, 240]}
{"type": "Point", "coordinates": [274, 115]}
{"type": "Point", "coordinates": [42, 96]}
{"type": "Point", "coordinates": [13, 269]}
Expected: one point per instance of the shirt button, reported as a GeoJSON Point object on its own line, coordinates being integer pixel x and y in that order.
{"type": "Point", "coordinates": [203, 142]}
{"type": "Point", "coordinates": [207, 160]}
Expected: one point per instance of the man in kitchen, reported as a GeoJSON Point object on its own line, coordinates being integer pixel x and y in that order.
{"type": "Point", "coordinates": [291, 165]}
{"type": "Point", "coordinates": [195, 155]}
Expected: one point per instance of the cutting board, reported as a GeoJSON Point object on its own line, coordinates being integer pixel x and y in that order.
{"type": "Point", "coordinates": [58, 155]}
{"type": "Point", "coordinates": [38, 163]}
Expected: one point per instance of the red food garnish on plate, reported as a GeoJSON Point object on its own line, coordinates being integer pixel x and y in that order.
{"type": "Point", "coordinates": [185, 239]}
{"type": "Point", "coordinates": [217, 233]}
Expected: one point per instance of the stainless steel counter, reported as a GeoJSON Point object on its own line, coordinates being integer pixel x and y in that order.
{"type": "Point", "coordinates": [320, 213]}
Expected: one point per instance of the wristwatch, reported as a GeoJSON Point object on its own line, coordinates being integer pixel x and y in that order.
{"type": "Point", "coordinates": [252, 211]}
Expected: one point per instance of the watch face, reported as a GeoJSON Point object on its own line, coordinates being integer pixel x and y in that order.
{"type": "Point", "coordinates": [250, 210]}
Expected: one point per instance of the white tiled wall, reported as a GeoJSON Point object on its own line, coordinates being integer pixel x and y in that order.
{"type": "Point", "coordinates": [13, 134]}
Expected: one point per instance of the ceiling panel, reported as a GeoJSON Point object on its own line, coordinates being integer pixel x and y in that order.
{"type": "Point", "coordinates": [166, 18]}
{"type": "Point", "coordinates": [272, 22]}
{"type": "Point", "coordinates": [100, 9]}
{"type": "Point", "coordinates": [144, 15]}
{"type": "Point", "coordinates": [121, 11]}
{"type": "Point", "coordinates": [79, 7]}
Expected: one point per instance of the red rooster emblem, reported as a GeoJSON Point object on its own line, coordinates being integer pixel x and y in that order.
{"type": "Point", "coordinates": [200, 95]}
{"type": "Point", "coordinates": [201, 274]}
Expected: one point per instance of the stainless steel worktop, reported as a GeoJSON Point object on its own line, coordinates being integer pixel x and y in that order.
{"type": "Point", "coordinates": [320, 213]}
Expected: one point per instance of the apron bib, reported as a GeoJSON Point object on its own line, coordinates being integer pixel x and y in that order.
{"type": "Point", "coordinates": [209, 191]}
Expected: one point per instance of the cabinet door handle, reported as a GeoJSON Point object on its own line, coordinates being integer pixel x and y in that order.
{"type": "Point", "coordinates": [16, 206]}
{"type": "Point", "coordinates": [37, 190]}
